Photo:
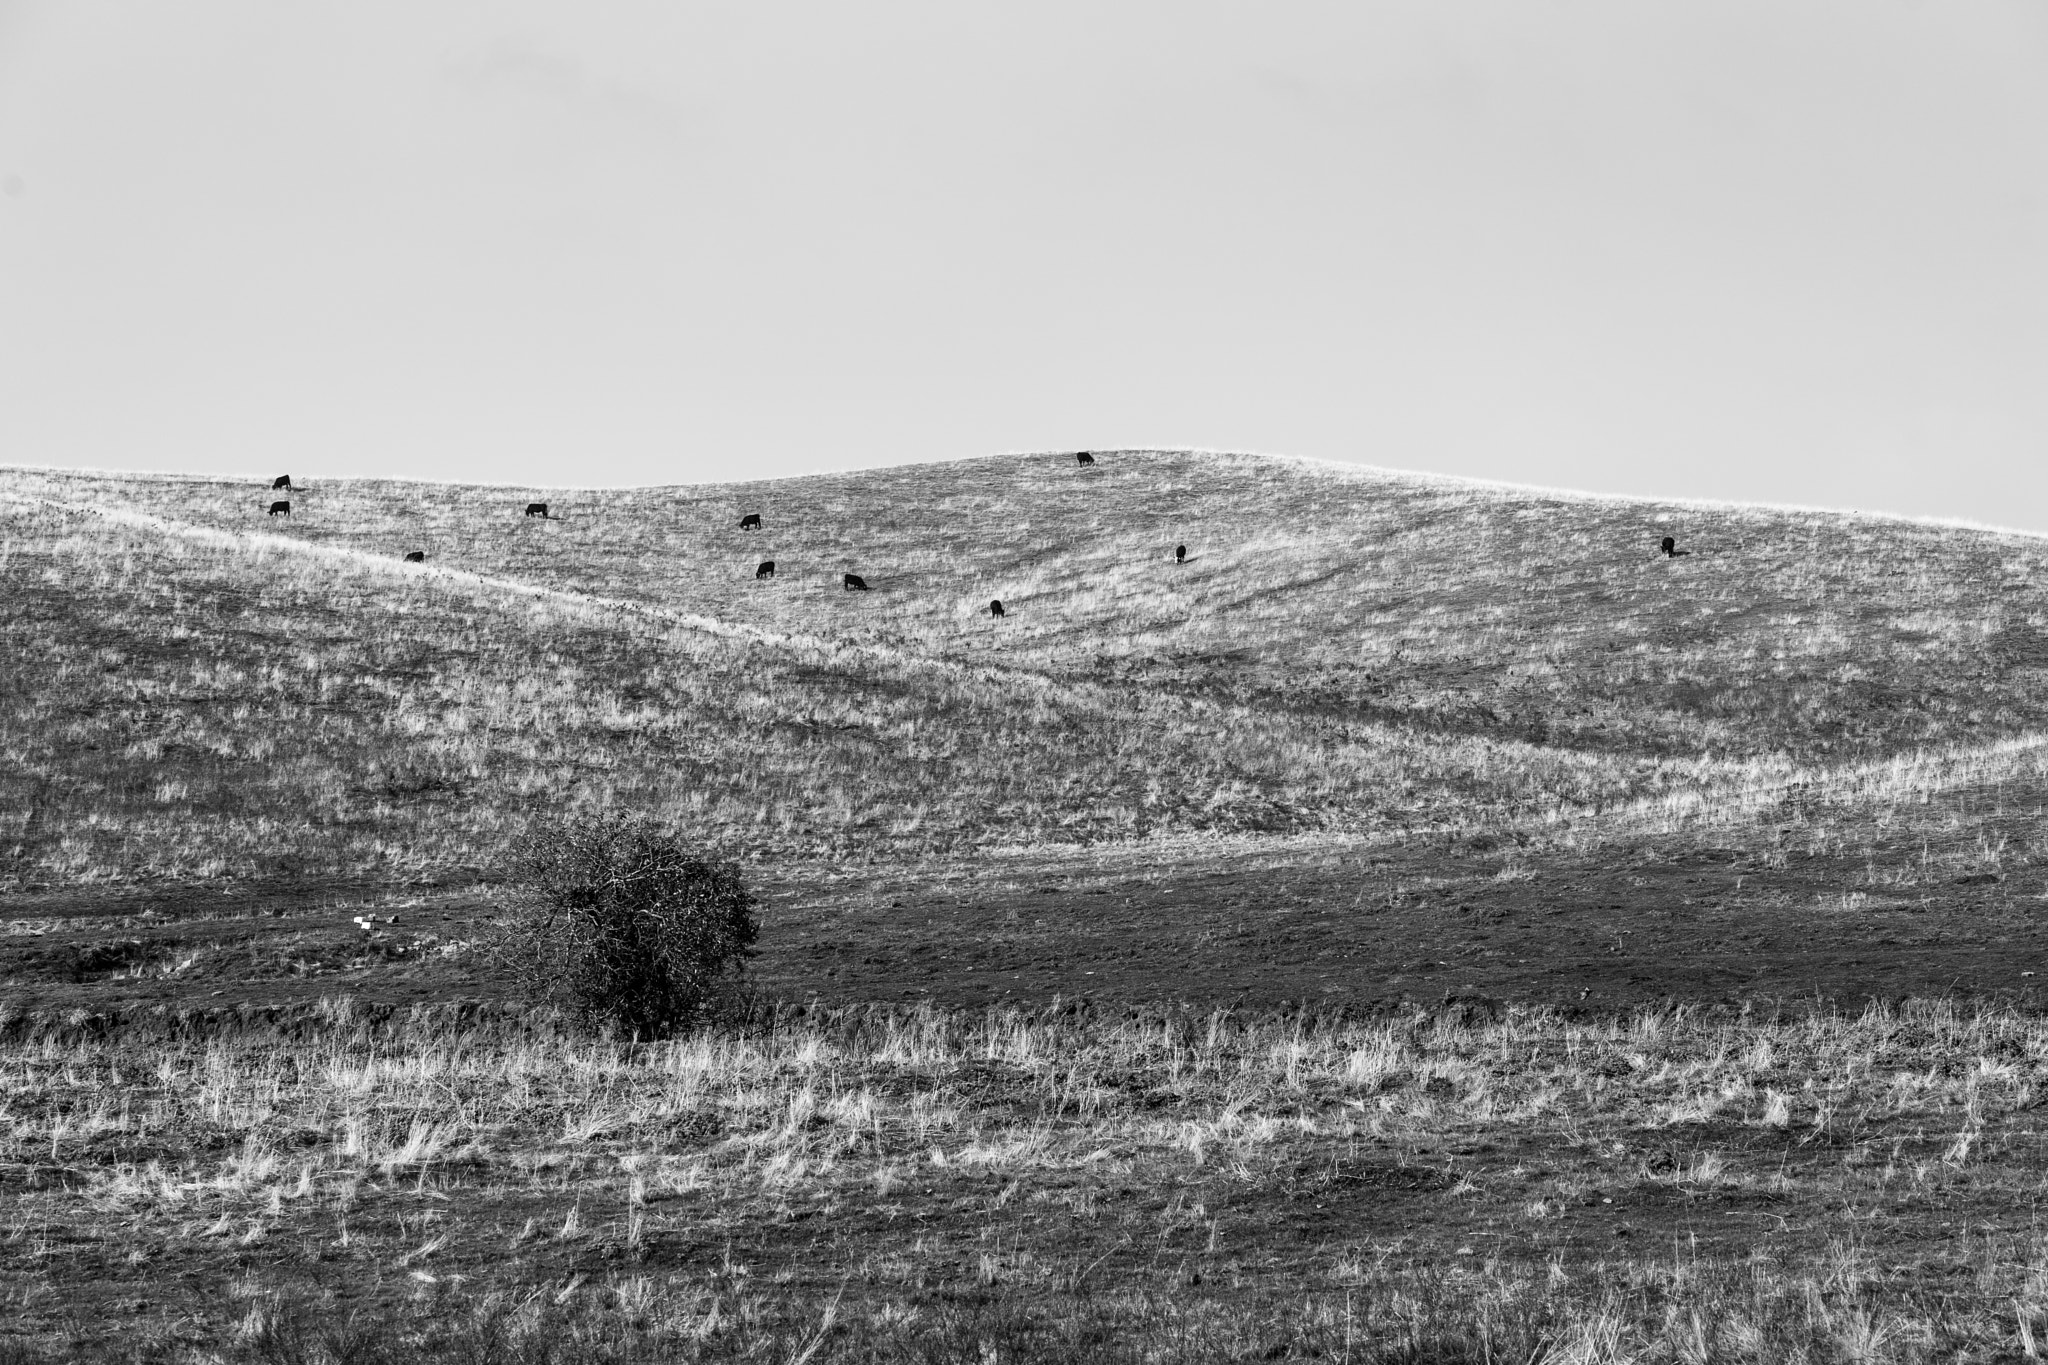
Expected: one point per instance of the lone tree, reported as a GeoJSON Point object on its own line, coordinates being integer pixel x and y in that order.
{"type": "Point", "coordinates": [622, 923]}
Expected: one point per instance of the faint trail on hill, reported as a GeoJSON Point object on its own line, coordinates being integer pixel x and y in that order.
{"type": "Point", "coordinates": [709, 625]}
{"type": "Point", "coordinates": [213, 535]}
{"type": "Point", "coordinates": [1760, 787]}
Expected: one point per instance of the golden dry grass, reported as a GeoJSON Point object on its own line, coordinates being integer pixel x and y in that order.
{"type": "Point", "coordinates": [204, 692]}
{"type": "Point", "coordinates": [182, 708]}
{"type": "Point", "coordinates": [1432, 601]}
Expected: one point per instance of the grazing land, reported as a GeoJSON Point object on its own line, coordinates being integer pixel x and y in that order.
{"type": "Point", "coordinates": [1428, 924]}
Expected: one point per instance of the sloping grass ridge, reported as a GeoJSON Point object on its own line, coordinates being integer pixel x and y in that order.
{"type": "Point", "coordinates": [200, 691]}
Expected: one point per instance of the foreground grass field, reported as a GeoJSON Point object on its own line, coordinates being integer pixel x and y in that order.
{"type": "Point", "coordinates": [1428, 925]}
{"type": "Point", "coordinates": [1004, 1186]}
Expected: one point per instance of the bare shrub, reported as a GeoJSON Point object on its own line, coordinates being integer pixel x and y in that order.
{"type": "Point", "coordinates": [622, 923]}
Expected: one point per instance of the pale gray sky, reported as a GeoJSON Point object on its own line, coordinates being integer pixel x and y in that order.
{"type": "Point", "coordinates": [1760, 249]}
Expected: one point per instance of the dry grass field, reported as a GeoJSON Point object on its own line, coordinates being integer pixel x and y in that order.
{"type": "Point", "coordinates": [936, 1185]}
{"type": "Point", "coordinates": [1427, 925]}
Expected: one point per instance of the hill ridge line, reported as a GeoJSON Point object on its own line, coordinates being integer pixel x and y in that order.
{"type": "Point", "coordinates": [1475, 482]}
{"type": "Point", "coordinates": [1343, 469]}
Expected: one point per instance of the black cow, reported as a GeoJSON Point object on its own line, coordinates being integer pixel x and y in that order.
{"type": "Point", "coordinates": [1180, 554]}
{"type": "Point", "coordinates": [280, 507]}
{"type": "Point", "coordinates": [1670, 548]}
{"type": "Point", "coordinates": [751, 522]}
{"type": "Point", "coordinates": [283, 481]}
{"type": "Point", "coordinates": [855, 583]}
{"type": "Point", "coordinates": [416, 557]}
{"type": "Point", "coordinates": [537, 509]}
{"type": "Point", "coordinates": [767, 569]}
{"type": "Point", "coordinates": [995, 609]}
{"type": "Point", "coordinates": [1084, 458]}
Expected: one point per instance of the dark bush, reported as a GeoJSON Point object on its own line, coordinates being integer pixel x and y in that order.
{"type": "Point", "coordinates": [620, 922]}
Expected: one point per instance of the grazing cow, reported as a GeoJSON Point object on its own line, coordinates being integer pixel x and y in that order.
{"type": "Point", "coordinates": [1084, 458]}
{"type": "Point", "coordinates": [283, 481]}
{"type": "Point", "coordinates": [767, 569]}
{"type": "Point", "coordinates": [283, 508]}
{"type": "Point", "coordinates": [1670, 548]}
{"type": "Point", "coordinates": [751, 522]}
{"type": "Point", "coordinates": [416, 557]}
{"type": "Point", "coordinates": [537, 509]}
{"type": "Point", "coordinates": [995, 609]}
{"type": "Point", "coordinates": [1180, 554]}
{"type": "Point", "coordinates": [855, 583]}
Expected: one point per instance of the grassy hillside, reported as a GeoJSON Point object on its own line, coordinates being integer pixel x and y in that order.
{"type": "Point", "coordinates": [203, 691]}
{"type": "Point", "coordinates": [1271, 957]}
{"type": "Point", "coordinates": [1431, 603]}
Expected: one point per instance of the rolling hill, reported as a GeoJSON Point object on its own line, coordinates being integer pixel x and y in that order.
{"type": "Point", "coordinates": [1354, 669]}
{"type": "Point", "coordinates": [1430, 924]}
{"type": "Point", "coordinates": [1345, 651]}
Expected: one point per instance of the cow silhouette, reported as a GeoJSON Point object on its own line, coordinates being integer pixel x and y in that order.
{"type": "Point", "coordinates": [995, 608]}
{"type": "Point", "coordinates": [855, 583]}
{"type": "Point", "coordinates": [767, 569]}
{"type": "Point", "coordinates": [1084, 458]}
{"type": "Point", "coordinates": [283, 481]}
{"type": "Point", "coordinates": [537, 509]}
{"type": "Point", "coordinates": [751, 522]}
{"type": "Point", "coordinates": [416, 557]}
{"type": "Point", "coordinates": [1670, 548]}
{"type": "Point", "coordinates": [1180, 554]}
{"type": "Point", "coordinates": [280, 508]}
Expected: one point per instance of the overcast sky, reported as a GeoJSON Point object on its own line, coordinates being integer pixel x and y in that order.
{"type": "Point", "coordinates": [1779, 250]}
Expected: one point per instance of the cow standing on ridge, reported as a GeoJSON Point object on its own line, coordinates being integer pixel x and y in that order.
{"type": "Point", "coordinates": [283, 481]}
{"type": "Point", "coordinates": [537, 509]}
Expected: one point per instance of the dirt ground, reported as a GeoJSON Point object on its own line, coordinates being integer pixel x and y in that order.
{"type": "Point", "coordinates": [1366, 928]}
{"type": "Point", "coordinates": [1600, 932]}
{"type": "Point", "coordinates": [1369, 929]}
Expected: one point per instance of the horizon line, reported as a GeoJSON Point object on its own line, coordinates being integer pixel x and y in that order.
{"type": "Point", "coordinates": [1349, 467]}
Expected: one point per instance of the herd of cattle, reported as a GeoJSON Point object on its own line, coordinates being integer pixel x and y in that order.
{"type": "Point", "coordinates": [752, 522]}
